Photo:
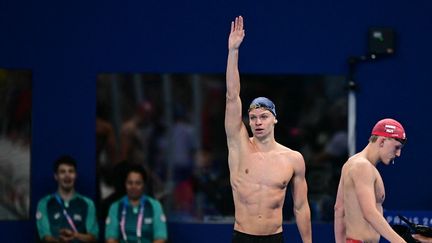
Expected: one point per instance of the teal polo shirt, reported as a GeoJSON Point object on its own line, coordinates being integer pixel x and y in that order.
{"type": "Point", "coordinates": [50, 217]}
{"type": "Point", "coordinates": [153, 224]}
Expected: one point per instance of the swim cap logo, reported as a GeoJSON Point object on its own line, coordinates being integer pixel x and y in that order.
{"type": "Point", "coordinates": [255, 106]}
{"type": "Point", "coordinates": [390, 128]}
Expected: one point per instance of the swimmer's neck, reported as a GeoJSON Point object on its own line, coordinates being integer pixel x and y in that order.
{"type": "Point", "coordinates": [371, 154]}
{"type": "Point", "coordinates": [264, 145]}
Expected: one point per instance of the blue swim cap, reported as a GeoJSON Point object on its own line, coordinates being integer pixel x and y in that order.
{"type": "Point", "coordinates": [263, 102]}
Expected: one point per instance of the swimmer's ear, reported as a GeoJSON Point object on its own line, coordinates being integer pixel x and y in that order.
{"type": "Point", "coordinates": [382, 142]}
{"type": "Point", "coordinates": [275, 121]}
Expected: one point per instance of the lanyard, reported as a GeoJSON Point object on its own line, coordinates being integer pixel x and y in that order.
{"type": "Point", "coordinates": [65, 213]}
{"type": "Point", "coordinates": [139, 220]}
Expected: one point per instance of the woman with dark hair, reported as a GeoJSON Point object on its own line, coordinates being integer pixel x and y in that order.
{"type": "Point", "coordinates": [136, 217]}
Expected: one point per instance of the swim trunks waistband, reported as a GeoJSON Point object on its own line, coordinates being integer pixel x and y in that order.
{"type": "Point", "coordinates": [349, 240]}
{"type": "Point", "coordinates": [240, 237]}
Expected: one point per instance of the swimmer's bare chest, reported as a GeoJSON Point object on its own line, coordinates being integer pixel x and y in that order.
{"type": "Point", "coordinates": [262, 174]}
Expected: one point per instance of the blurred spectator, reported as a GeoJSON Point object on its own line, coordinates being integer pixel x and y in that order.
{"type": "Point", "coordinates": [140, 137]}
{"type": "Point", "coordinates": [106, 152]}
{"type": "Point", "coordinates": [136, 134]}
{"type": "Point", "coordinates": [207, 184]}
{"type": "Point", "coordinates": [117, 177]}
{"type": "Point", "coordinates": [325, 166]}
{"type": "Point", "coordinates": [184, 145]}
{"type": "Point", "coordinates": [15, 138]}
{"type": "Point", "coordinates": [14, 179]}
{"type": "Point", "coordinates": [204, 193]}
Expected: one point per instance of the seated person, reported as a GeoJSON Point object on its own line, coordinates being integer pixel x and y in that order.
{"type": "Point", "coordinates": [66, 216]}
{"type": "Point", "coordinates": [136, 217]}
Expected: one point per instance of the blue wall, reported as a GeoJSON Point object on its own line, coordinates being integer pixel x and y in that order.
{"type": "Point", "coordinates": [66, 44]}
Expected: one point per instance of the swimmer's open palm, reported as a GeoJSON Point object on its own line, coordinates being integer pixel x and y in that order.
{"type": "Point", "coordinates": [237, 33]}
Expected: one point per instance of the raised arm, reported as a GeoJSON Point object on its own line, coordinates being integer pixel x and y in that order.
{"type": "Point", "coordinates": [233, 112]}
{"type": "Point", "coordinates": [301, 204]}
{"type": "Point", "coordinates": [363, 175]}
{"type": "Point", "coordinates": [339, 215]}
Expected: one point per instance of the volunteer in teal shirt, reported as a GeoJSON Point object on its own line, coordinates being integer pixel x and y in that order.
{"type": "Point", "coordinates": [66, 216]}
{"type": "Point", "coordinates": [136, 217]}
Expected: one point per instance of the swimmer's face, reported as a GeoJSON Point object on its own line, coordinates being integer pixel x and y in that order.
{"type": "Point", "coordinates": [390, 149]}
{"type": "Point", "coordinates": [262, 122]}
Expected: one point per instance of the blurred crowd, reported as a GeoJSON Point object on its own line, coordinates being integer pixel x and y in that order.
{"type": "Point", "coordinates": [15, 138]}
